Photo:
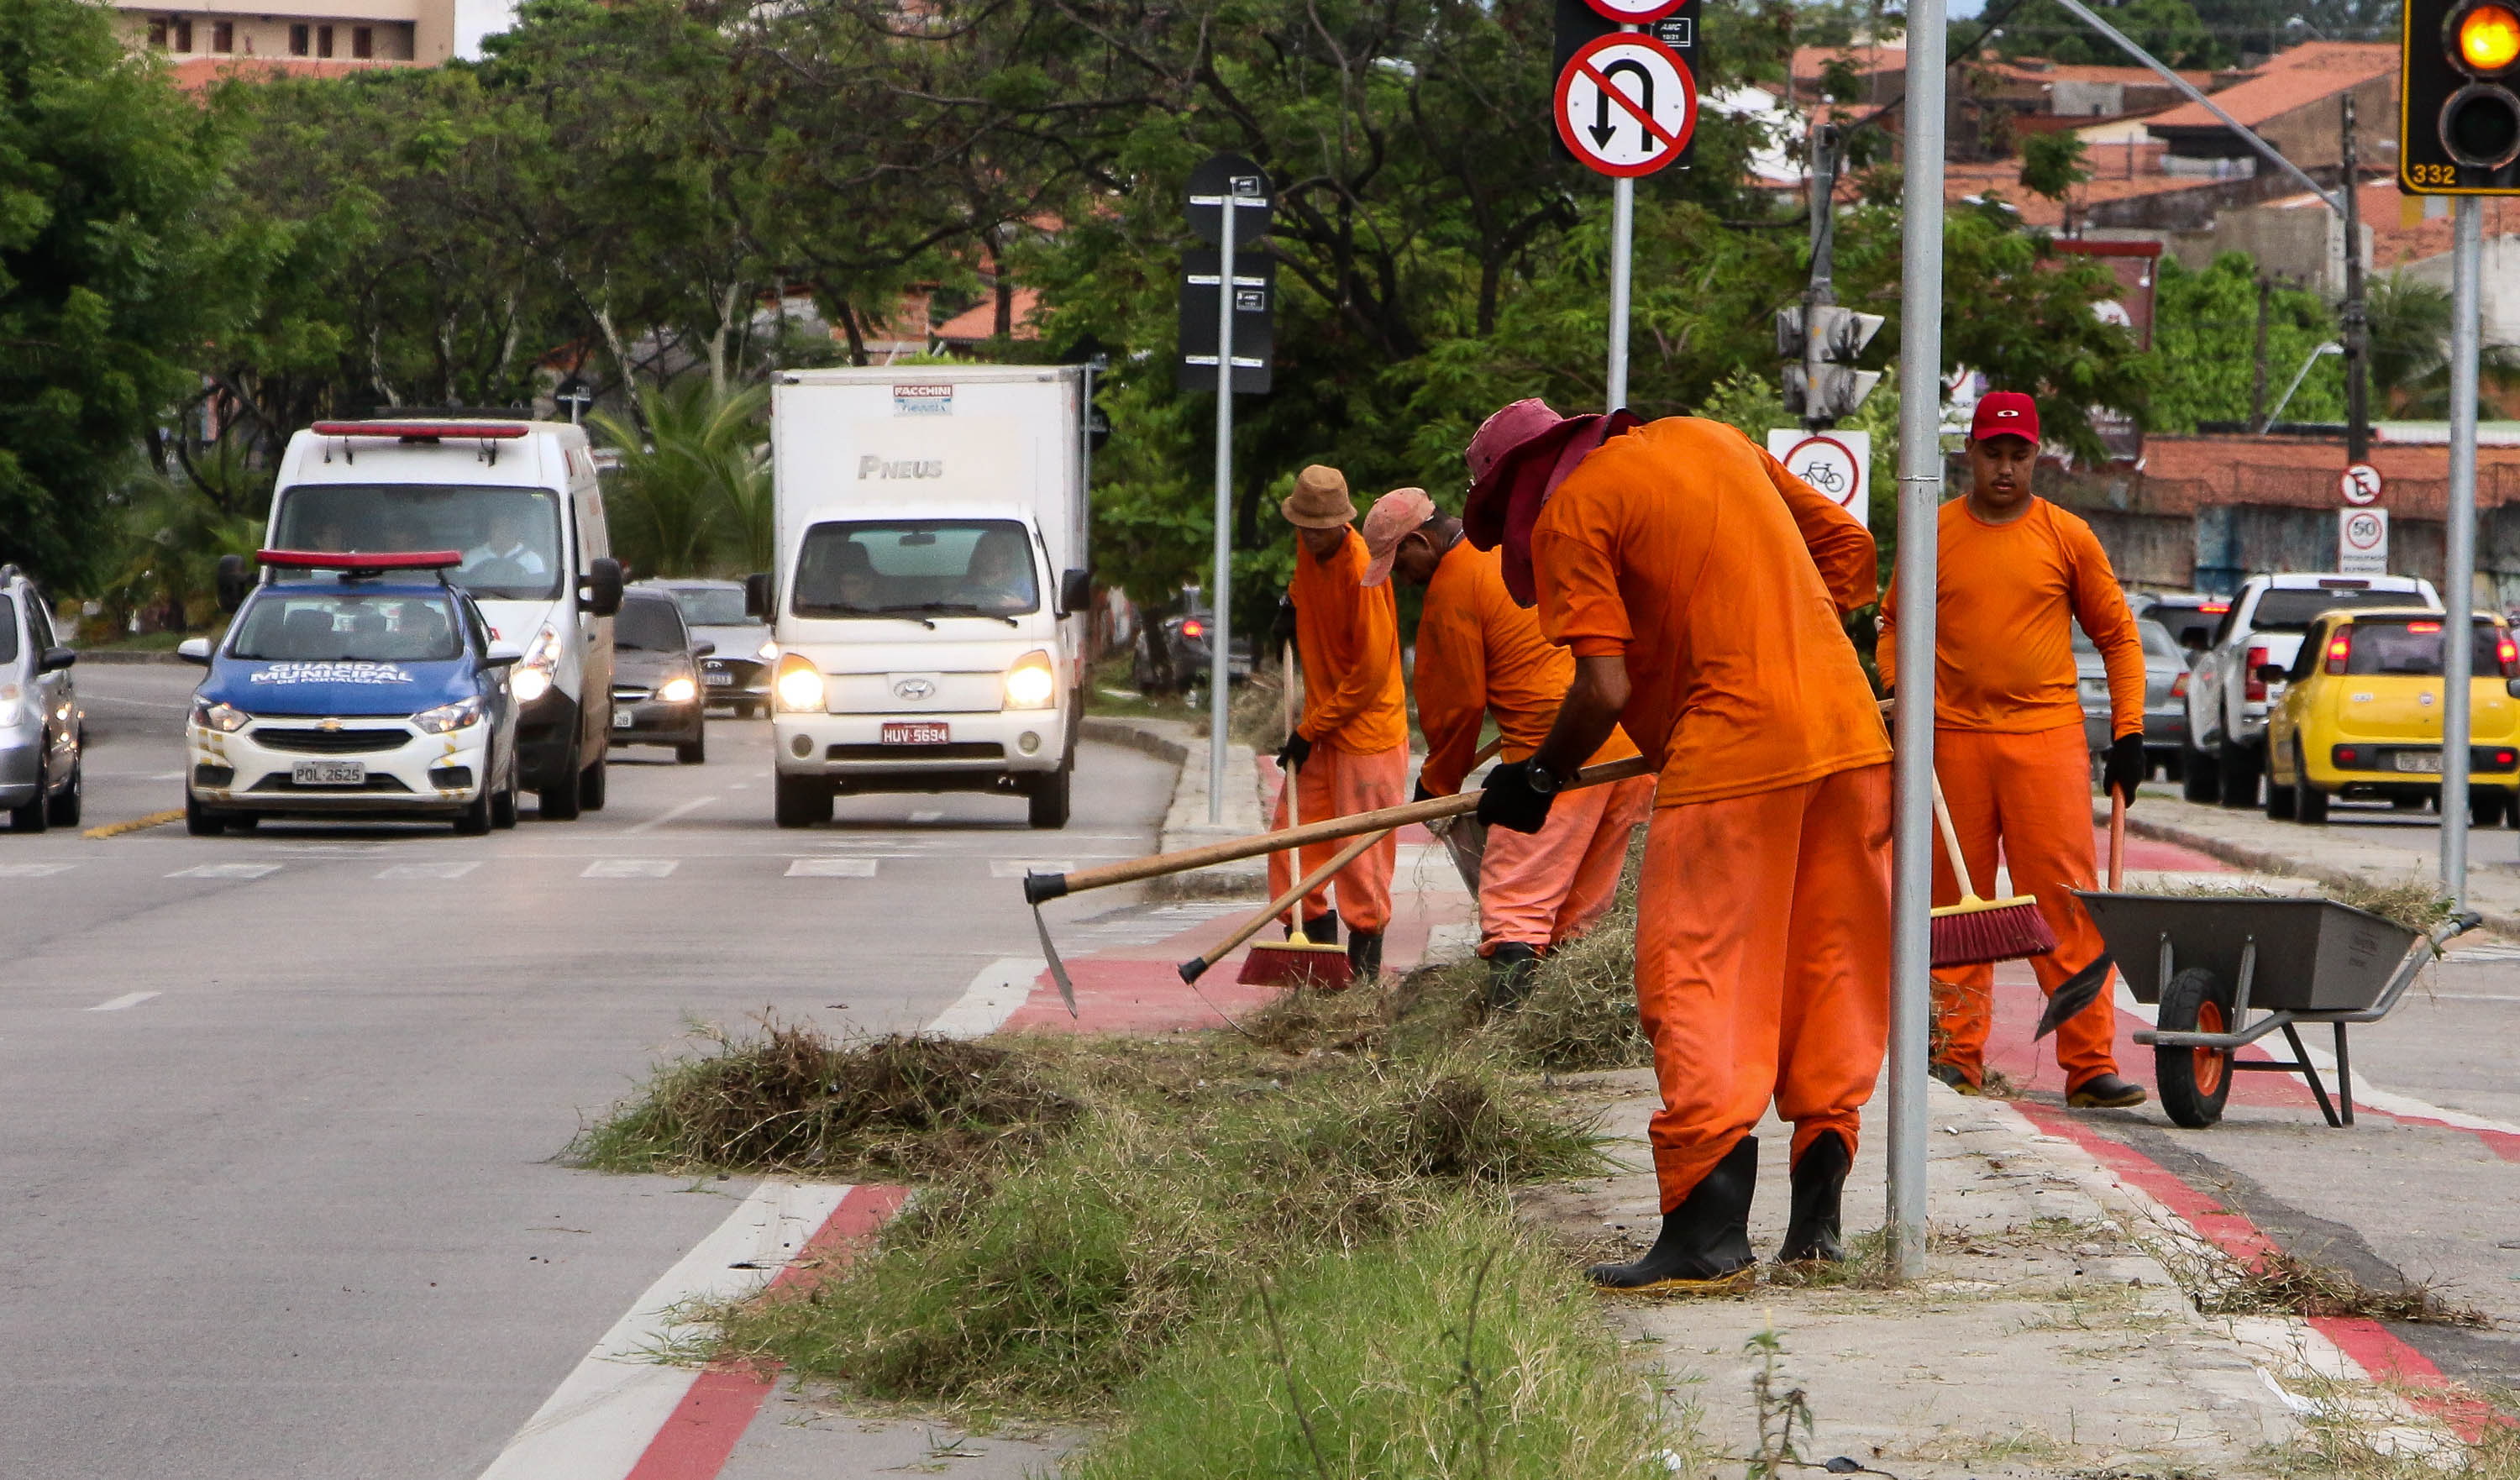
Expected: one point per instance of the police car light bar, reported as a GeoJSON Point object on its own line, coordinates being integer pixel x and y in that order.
{"type": "Point", "coordinates": [421, 431]}
{"type": "Point", "coordinates": [352, 559]}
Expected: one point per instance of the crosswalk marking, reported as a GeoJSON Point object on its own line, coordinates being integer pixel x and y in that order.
{"type": "Point", "coordinates": [429, 871]}
{"type": "Point", "coordinates": [629, 868]}
{"type": "Point", "coordinates": [225, 871]}
{"type": "Point", "coordinates": [34, 870]}
{"type": "Point", "coordinates": [126, 1000]}
{"type": "Point", "coordinates": [1018, 868]}
{"type": "Point", "coordinates": [926, 817]}
{"type": "Point", "coordinates": [832, 868]}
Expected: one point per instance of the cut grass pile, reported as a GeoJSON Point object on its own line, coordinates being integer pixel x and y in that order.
{"type": "Point", "coordinates": [2281, 1284]}
{"type": "Point", "coordinates": [2414, 904]}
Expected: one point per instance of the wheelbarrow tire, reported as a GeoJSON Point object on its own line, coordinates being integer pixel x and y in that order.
{"type": "Point", "coordinates": [2194, 1083]}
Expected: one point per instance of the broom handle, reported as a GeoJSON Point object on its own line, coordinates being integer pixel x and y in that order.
{"type": "Point", "coordinates": [2117, 840]}
{"type": "Point", "coordinates": [1039, 888]}
{"type": "Point", "coordinates": [1286, 706]}
{"type": "Point", "coordinates": [1952, 839]}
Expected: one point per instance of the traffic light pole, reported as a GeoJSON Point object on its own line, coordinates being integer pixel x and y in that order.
{"type": "Point", "coordinates": [2458, 580]}
{"type": "Point", "coordinates": [2355, 323]}
{"type": "Point", "coordinates": [1220, 606]}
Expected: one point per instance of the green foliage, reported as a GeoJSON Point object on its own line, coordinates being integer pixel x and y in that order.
{"type": "Point", "coordinates": [2204, 351]}
{"type": "Point", "coordinates": [2169, 29]}
{"type": "Point", "coordinates": [693, 497]}
{"type": "Point", "coordinates": [2410, 322]}
{"type": "Point", "coordinates": [2053, 165]}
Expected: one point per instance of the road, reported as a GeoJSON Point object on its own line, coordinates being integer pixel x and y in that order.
{"type": "Point", "coordinates": [283, 1107]}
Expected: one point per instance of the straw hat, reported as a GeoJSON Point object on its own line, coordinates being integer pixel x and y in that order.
{"type": "Point", "coordinates": [1320, 500]}
{"type": "Point", "coordinates": [1389, 521]}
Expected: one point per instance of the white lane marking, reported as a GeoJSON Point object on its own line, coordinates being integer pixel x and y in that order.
{"type": "Point", "coordinates": [2484, 953]}
{"type": "Point", "coordinates": [832, 868]}
{"type": "Point", "coordinates": [427, 870]}
{"type": "Point", "coordinates": [926, 817]}
{"type": "Point", "coordinates": [126, 1000]}
{"type": "Point", "coordinates": [225, 871]}
{"type": "Point", "coordinates": [167, 775]}
{"type": "Point", "coordinates": [991, 999]}
{"type": "Point", "coordinates": [685, 810]}
{"type": "Point", "coordinates": [135, 703]}
{"type": "Point", "coordinates": [629, 868]}
{"type": "Point", "coordinates": [603, 1415]}
{"type": "Point", "coordinates": [1018, 868]}
{"type": "Point", "coordinates": [34, 870]}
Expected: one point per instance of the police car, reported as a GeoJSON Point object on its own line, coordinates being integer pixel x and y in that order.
{"type": "Point", "coordinates": [373, 690]}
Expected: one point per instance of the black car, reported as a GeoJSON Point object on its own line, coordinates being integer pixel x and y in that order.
{"type": "Point", "coordinates": [656, 695]}
{"type": "Point", "coordinates": [1173, 653]}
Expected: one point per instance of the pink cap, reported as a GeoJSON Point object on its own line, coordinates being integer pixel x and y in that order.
{"type": "Point", "coordinates": [1388, 523]}
{"type": "Point", "coordinates": [2005, 413]}
{"type": "Point", "coordinates": [1508, 428]}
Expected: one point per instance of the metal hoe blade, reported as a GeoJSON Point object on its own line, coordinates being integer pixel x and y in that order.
{"type": "Point", "coordinates": [2074, 994]}
{"type": "Point", "coordinates": [1057, 967]}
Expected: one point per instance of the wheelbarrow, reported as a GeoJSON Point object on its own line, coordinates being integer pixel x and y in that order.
{"type": "Point", "coordinates": [2207, 962]}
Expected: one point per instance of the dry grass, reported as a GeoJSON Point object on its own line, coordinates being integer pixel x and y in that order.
{"type": "Point", "coordinates": [2414, 904]}
{"type": "Point", "coordinates": [2279, 1283]}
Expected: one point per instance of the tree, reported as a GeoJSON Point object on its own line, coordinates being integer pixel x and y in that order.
{"type": "Point", "coordinates": [2169, 29]}
{"type": "Point", "coordinates": [2204, 339]}
{"type": "Point", "coordinates": [2410, 325]}
{"type": "Point", "coordinates": [692, 497]}
{"type": "Point", "coordinates": [2053, 165]}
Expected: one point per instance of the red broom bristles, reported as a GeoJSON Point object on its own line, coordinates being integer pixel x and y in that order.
{"type": "Point", "coordinates": [1978, 931]}
{"type": "Point", "coordinates": [1295, 963]}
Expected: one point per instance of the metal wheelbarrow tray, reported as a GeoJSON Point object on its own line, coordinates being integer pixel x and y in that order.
{"type": "Point", "coordinates": [2207, 961]}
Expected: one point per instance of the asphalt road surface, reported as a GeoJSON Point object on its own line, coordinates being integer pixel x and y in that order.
{"type": "Point", "coordinates": [283, 1109]}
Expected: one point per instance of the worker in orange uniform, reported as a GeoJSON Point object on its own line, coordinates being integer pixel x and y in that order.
{"type": "Point", "coordinates": [1479, 653]}
{"type": "Point", "coordinates": [1350, 751]}
{"type": "Point", "coordinates": [1701, 587]}
{"type": "Point", "coordinates": [2015, 573]}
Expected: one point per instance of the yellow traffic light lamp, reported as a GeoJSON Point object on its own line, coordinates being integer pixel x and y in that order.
{"type": "Point", "coordinates": [2489, 38]}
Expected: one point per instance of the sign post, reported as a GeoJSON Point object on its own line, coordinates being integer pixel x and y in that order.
{"type": "Point", "coordinates": [2458, 579]}
{"type": "Point", "coordinates": [1626, 106]}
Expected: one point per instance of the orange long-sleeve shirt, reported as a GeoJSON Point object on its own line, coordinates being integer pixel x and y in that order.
{"type": "Point", "coordinates": [1479, 653]}
{"type": "Point", "coordinates": [2004, 652]}
{"type": "Point", "coordinates": [1348, 634]}
{"type": "Point", "coordinates": [1723, 579]}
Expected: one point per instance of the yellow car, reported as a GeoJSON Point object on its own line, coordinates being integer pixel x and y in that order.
{"type": "Point", "coordinates": [2361, 716]}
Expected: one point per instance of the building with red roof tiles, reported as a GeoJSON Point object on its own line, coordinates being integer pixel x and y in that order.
{"type": "Point", "coordinates": [2293, 101]}
{"type": "Point", "coordinates": [202, 38]}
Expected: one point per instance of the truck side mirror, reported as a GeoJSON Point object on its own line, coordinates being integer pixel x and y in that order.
{"type": "Point", "coordinates": [1075, 592]}
{"type": "Point", "coordinates": [757, 595]}
{"type": "Point", "coordinates": [234, 579]}
{"type": "Point", "coordinates": [599, 594]}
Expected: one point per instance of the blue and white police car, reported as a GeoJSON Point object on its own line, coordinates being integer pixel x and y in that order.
{"type": "Point", "coordinates": [352, 685]}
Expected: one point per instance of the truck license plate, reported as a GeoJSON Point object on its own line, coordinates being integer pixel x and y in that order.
{"type": "Point", "coordinates": [329, 773]}
{"type": "Point", "coordinates": [2416, 760]}
{"type": "Point", "coordinates": [918, 735]}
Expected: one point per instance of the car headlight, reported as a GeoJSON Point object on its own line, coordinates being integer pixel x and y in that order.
{"type": "Point", "coordinates": [1031, 682]}
{"type": "Point", "coordinates": [531, 676]}
{"type": "Point", "coordinates": [677, 690]}
{"type": "Point", "coordinates": [458, 715]}
{"type": "Point", "coordinates": [799, 685]}
{"type": "Point", "coordinates": [225, 718]}
{"type": "Point", "coordinates": [769, 652]}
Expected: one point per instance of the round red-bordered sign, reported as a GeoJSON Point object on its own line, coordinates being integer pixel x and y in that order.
{"type": "Point", "coordinates": [1634, 11]}
{"type": "Point", "coordinates": [1626, 130]}
{"type": "Point", "coordinates": [1829, 466]}
{"type": "Point", "coordinates": [2361, 484]}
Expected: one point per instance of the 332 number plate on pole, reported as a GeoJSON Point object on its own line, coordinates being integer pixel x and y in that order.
{"type": "Point", "coordinates": [1626, 105]}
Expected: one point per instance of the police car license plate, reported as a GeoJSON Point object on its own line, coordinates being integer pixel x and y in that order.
{"type": "Point", "coordinates": [720, 680]}
{"type": "Point", "coordinates": [623, 719]}
{"type": "Point", "coordinates": [329, 773]}
{"type": "Point", "coordinates": [2416, 760]}
{"type": "Point", "coordinates": [918, 735]}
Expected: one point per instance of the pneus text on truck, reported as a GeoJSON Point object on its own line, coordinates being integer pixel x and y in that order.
{"type": "Point", "coordinates": [928, 605]}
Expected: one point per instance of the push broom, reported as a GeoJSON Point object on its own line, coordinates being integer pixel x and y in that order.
{"type": "Point", "coordinates": [1978, 930]}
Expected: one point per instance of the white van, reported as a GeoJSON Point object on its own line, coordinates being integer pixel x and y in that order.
{"type": "Point", "coordinates": [930, 601]}
{"type": "Point", "coordinates": [519, 501]}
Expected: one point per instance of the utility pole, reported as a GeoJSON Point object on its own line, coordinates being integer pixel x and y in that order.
{"type": "Point", "coordinates": [1823, 292]}
{"type": "Point", "coordinates": [2458, 577]}
{"type": "Point", "coordinates": [2357, 333]}
{"type": "Point", "coordinates": [2258, 389]}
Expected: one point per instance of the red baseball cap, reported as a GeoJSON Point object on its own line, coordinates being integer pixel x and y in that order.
{"type": "Point", "coordinates": [2005, 414]}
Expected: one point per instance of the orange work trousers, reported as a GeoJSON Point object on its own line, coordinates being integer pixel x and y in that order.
{"type": "Point", "coordinates": [1539, 888]}
{"type": "Point", "coordinates": [1337, 784]}
{"type": "Point", "coordinates": [2031, 793]}
{"type": "Point", "coordinates": [1763, 966]}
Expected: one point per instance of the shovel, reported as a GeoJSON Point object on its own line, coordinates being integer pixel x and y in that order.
{"type": "Point", "coordinates": [2082, 988]}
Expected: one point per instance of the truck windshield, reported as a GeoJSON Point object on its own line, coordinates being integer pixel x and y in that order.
{"type": "Point", "coordinates": [510, 537]}
{"type": "Point", "coordinates": [335, 627]}
{"type": "Point", "coordinates": [917, 568]}
{"type": "Point", "coordinates": [712, 607]}
{"type": "Point", "coordinates": [2287, 609]}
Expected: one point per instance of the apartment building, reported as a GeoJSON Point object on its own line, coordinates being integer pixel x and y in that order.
{"type": "Point", "coordinates": [411, 32]}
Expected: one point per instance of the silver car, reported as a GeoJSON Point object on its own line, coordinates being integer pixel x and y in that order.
{"type": "Point", "coordinates": [42, 728]}
{"type": "Point", "coordinates": [739, 672]}
{"type": "Point", "coordinates": [2165, 700]}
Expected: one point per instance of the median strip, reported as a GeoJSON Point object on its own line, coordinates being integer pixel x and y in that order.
{"type": "Point", "coordinates": [136, 824]}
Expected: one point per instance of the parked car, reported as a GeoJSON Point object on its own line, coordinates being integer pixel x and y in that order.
{"type": "Point", "coordinates": [43, 731]}
{"type": "Point", "coordinates": [2184, 613]}
{"type": "Point", "coordinates": [2165, 696]}
{"type": "Point", "coordinates": [738, 673]}
{"type": "Point", "coordinates": [1173, 653]}
{"type": "Point", "coordinates": [2361, 716]}
{"type": "Point", "coordinates": [656, 677]}
{"type": "Point", "coordinates": [2228, 695]}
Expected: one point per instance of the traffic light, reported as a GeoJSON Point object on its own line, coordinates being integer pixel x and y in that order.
{"type": "Point", "coordinates": [1821, 386]}
{"type": "Point", "coordinates": [2458, 115]}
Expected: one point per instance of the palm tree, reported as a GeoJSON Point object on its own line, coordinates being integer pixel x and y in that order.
{"type": "Point", "coordinates": [694, 495]}
{"type": "Point", "coordinates": [2410, 334]}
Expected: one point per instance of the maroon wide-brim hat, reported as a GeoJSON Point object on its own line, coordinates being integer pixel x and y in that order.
{"type": "Point", "coordinates": [1506, 500]}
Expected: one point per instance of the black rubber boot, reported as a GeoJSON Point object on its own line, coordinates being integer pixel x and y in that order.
{"type": "Point", "coordinates": [1364, 954]}
{"type": "Point", "coordinates": [1820, 1178]}
{"type": "Point", "coordinates": [1510, 968]}
{"type": "Point", "coordinates": [1322, 929]}
{"type": "Point", "coordinates": [1706, 1240]}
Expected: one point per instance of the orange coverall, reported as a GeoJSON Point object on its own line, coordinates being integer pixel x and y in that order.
{"type": "Point", "coordinates": [1357, 717]}
{"type": "Point", "coordinates": [2010, 749]}
{"type": "Point", "coordinates": [1479, 653]}
{"type": "Point", "coordinates": [1763, 935]}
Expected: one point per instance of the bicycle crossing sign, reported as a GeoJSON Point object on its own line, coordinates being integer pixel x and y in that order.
{"type": "Point", "coordinates": [1837, 462]}
{"type": "Point", "coordinates": [1626, 105]}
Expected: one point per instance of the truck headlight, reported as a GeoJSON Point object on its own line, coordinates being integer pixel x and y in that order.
{"type": "Point", "coordinates": [1031, 682]}
{"type": "Point", "coordinates": [532, 675]}
{"type": "Point", "coordinates": [769, 652]}
{"type": "Point", "coordinates": [461, 714]}
{"type": "Point", "coordinates": [799, 685]}
{"type": "Point", "coordinates": [13, 706]}
{"type": "Point", "coordinates": [677, 690]}
{"type": "Point", "coordinates": [224, 718]}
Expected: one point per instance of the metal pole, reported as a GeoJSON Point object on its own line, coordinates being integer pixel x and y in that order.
{"type": "Point", "coordinates": [1921, 497]}
{"type": "Point", "coordinates": [1220, 604]}
{"type": "Point", "coordinates": [2353, 319]}
{"type": "Point", "coordinates": [1623, 228]}
{"type": "Point", "coordinates": [2458, 580]}
{"type": "Point", "coordinates": [1823, 292]}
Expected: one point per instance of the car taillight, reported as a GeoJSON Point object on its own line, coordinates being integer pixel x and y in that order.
{"type": "Point", "coordinates": [2257, 687]}
{"type": "Point", "coordinates": [2178, 687]}
{"type": "Point", "coordinates": [1193, 628]}
{"type": "Point", "coordinates": [2339, 648]}
{"type": "Point", "coordinates": [2346, 757]}
{"type": "Point", "coordinates": [2507, 654]}
{"type": "Point", "coordinates": [2504, 760]}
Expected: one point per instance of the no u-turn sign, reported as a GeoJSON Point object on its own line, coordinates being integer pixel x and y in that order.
{"type": "Point", "coordinates": [1625, 104]}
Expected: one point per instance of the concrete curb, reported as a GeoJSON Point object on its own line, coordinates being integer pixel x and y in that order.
{"type": "Point", "coordinates": [1186, 823]}
{"type": "Point", "coordinates": [117, 656]}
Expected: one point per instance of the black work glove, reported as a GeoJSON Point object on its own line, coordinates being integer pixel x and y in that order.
{"type": "Point", "coordinates": [1293, 755]}
{"type": "Point", "coordinates": [2126, 766]}
{"type": "Point", "coordinates": [1281, 629]}
{"type": "Point", "coordinates": [1421, 794]}
{"type": "Point", "coordinates": [1508, 800]}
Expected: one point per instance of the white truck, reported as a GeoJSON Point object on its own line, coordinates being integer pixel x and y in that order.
{"type": "Point", "coordinates": [928, 605]}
